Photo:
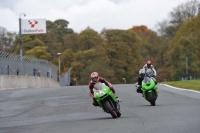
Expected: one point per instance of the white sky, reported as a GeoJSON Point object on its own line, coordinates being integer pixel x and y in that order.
{"type": "Point", "coordinates": [97, 14]}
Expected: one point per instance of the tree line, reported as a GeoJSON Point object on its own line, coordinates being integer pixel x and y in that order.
{"type": "Point", "coordinates": [116, 54]}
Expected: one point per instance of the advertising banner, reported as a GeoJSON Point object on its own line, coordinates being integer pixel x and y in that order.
{"type": "Point", "coordinates": [33, 26]}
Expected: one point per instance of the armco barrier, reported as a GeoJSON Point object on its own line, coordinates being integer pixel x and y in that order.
{"type": "Point", "coordinates": [12, 82]}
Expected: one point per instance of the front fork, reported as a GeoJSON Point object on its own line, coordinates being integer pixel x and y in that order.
{"type": "Point", "coordinates": [154, 91]}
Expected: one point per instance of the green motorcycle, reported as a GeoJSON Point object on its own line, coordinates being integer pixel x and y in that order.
{"type": "Point", "coordinates": [106, 99]}
{"type": "Point", "coordinates": [149, 88]}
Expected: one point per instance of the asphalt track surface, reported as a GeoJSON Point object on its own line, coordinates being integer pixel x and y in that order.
{"type": "Point", "coordinates": [69, 110]}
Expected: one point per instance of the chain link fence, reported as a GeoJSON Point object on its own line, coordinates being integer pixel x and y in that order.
{"type": "Point", "coordinates": [65, 80]}
{"type": "Point", "coordinates": [10, 64]}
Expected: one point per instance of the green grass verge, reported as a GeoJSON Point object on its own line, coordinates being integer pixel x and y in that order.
{"type": "Point", "coordinates": [186, 84]}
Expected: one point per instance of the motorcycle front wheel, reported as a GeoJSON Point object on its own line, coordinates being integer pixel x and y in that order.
{"type": "Point", "coordinates": [110, 109]}
{"type": "Point", "coordinates": [118, 110]}
{"type": "Point", "coordinates": [151, 98]}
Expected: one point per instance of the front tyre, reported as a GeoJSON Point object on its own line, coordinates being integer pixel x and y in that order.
{"type": "Point", "coordinates": [118, 110]}
{"type": "Point", "coordinates": [110, 109]}
{"type": "Point", "coordinates": [151, 98]}
{"type": "Point", "coordinates": [118, 113]}
{"type": "Point", "coordinates": [153, 103]}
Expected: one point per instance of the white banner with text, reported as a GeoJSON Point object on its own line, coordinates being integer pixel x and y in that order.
{"type": "Point", "coordinates": [33, 26]}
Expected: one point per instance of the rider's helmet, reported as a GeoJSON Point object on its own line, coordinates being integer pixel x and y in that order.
{"type": "Point", "coordinates": [142, 73]}
{"type": "Point", "coordinates": [149, 64]}
{"type": "Point", "coordinates": [94, 77]}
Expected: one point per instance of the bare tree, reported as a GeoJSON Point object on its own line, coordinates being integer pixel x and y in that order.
{"type": "Point", "coordinates": [199, 9]}
{"type": "Point", "coordinates": [6, 38]}
{"type": "Point", "coordinates": [177, 16]}
{"type": "Point", "coordinates": [183, 12]}
{"type": "Point", "coordinates": [161, 27]}
{"type": "Point", "coordinates": [2, 34]}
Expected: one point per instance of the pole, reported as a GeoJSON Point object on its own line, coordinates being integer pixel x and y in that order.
{"type": "Point", "coordinates": [20, 41]}
{"type": "Point", "coordinates": [50, 71]}
{"type": "Point", "coordinates": [59, 54]}
{"type": "Point", "coordinates": [59, 68]}
{"type": "Point", "coordinates": [186, 65]}
{"type": "Point", "coordinates": [59, 64]}
{"type": "Point", "coordinates": [124, 80]}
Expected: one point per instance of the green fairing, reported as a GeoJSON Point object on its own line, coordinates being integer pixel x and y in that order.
{"type": "Point", "coordinates": [105, 92]}
{"type": "Point", "coordinates": [149, 87]}
{"type": "Point", "coordinates": [106, 99]}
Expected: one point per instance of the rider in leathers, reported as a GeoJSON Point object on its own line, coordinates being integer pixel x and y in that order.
{"type": "Point", "coordinates": [140, 77]}
{"type": "Point", "coordinates": [95, 78]}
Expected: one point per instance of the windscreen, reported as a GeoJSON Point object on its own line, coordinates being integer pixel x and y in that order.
{"type": "Point", "coordinates": [98, 86]}
{"type": "Point", "coordinates": [147, 80]}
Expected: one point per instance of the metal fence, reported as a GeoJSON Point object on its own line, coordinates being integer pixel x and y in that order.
{"type": "Point", "coordinates": [65, 80]}
{"type": "Point", "coordinates": [10, 64]}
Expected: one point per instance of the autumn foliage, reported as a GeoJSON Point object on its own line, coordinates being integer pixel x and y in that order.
{"type": "Point", "coordinates": [140, 29]}
{"type": "Point", "coordinates": [118, 54]}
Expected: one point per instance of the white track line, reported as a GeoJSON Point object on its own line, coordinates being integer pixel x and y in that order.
{"type": "Point", "coordinates": [180, 88]}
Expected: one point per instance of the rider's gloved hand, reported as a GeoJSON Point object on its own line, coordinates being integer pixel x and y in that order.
{"type": "Point", "coordinates": [112, 89]}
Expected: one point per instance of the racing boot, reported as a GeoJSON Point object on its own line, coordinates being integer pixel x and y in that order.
{"type": "Point", "coordinates": [103, 110]}
{"type": "Point", "coordinates": [95, 103]}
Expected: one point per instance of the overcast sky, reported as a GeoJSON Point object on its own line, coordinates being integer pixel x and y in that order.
{"type": "Point", "coordinates": [97, 14]}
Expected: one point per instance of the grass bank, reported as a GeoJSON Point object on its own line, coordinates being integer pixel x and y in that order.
{"type": "Point", "coordinates": [186, 84]}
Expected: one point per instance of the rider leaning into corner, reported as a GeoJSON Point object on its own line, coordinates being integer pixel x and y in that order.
{"type": "Point", "coordinates": [95, 78]}
{"type": "Point", "coordinates": [140, 77]}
